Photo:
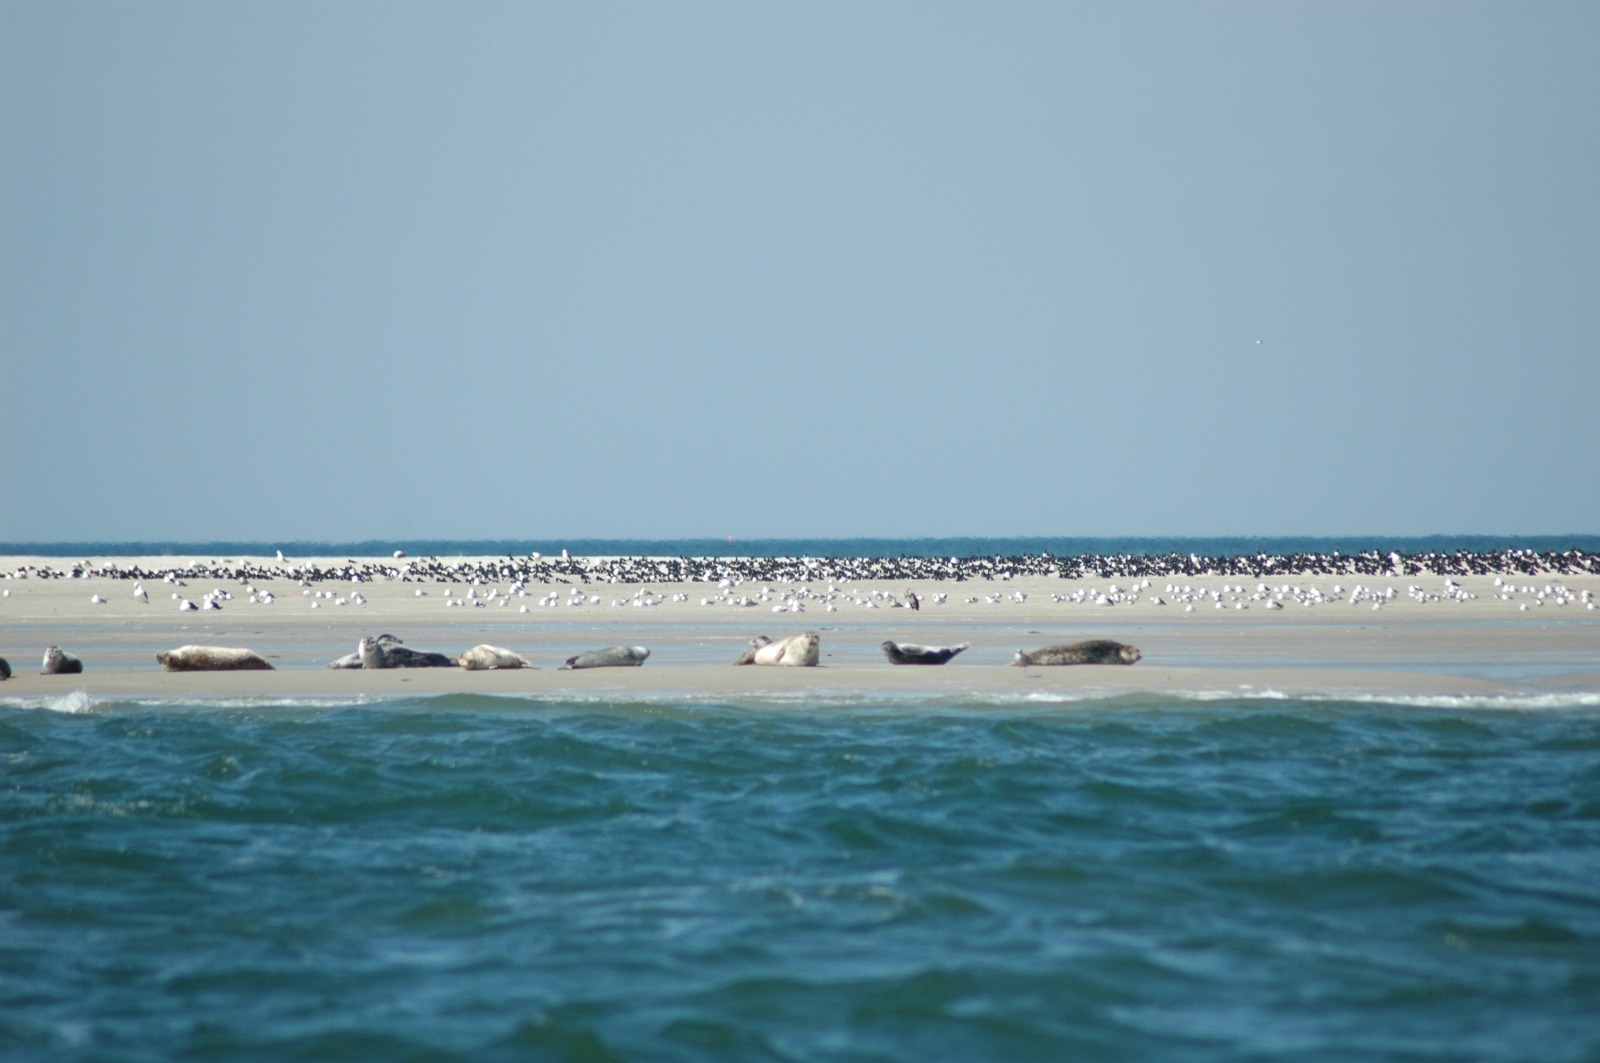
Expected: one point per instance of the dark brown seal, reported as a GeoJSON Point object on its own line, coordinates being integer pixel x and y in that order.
{"type": "Point", "coordinates": [911, 653]}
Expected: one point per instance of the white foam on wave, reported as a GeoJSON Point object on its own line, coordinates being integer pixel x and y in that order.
{"type": "Point", "coordinates": [72, 702]}
{"type": "Point", "coordinates": [1487, 702]}
{"type": "Point", "coordinates": [81, 701]}
{"type": "Point", "coordinates": [340, 701]}
{"type": "Point", "coordinates": [1513, 702]}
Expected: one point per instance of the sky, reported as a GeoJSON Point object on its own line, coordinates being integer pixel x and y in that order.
{"type": "Point", "coordinates": [347, 271]}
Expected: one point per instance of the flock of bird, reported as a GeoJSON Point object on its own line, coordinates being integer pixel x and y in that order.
{"type": "Point", "coordinates": [797, 598]}
{"type": "Point", "coordinates": [791, 585]}
{"type": "Point", "coordinates": [537, 569]}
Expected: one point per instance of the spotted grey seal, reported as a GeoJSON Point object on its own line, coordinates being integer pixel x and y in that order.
{"type": "Point", "coordinates": [797, 651]}
{"type": "Point", "coordinates": [211, 659]}
{"type": "Point", "coordinates": [911, 653]}
{"type": "Point", "coordinates": [59, 662]}
{"type": "Point", "coordinates": [1094, 651]}
{"type": "Point", "coordinates": [614, 657]}
{"type": "Point", "coordinates": [484, 656]}
{"type": "Point", "coordinates": [376, 653]}
{"type": "Point", "coordinates": [353, 660]}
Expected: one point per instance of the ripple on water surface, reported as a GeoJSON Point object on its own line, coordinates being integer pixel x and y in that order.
{"type": "Point", "coordinates": [487, 878]}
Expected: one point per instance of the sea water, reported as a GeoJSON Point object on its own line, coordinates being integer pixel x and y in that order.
{"type": "Point", "coordinates": [876, 878]}
{"type": "Point", "coordinates": [967, 546]}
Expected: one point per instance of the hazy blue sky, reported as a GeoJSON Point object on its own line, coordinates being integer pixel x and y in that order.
{"type": "Point", "coordinates": [365, 270]}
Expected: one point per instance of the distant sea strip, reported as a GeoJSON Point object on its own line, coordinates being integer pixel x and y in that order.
{"type": "Point", "coordinates": [959, 547]}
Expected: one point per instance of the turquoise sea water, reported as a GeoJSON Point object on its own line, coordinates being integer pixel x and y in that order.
{"type": "Point", "coordinates": [484, 878]}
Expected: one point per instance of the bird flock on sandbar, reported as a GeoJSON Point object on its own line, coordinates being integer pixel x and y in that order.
{"type": "Point", "coordinates": [798, 585]}
{"type": "Point", "coordinates": [538, 569]}
{"type": "Point", "coordinates": [787, 597]}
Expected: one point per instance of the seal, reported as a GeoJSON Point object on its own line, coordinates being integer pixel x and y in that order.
{"type": "Point", "coordinates": [211, 659]}
{"type": "Point", "coordinates": [1094, 651]}
{"type": "Point", "coordinates": [376, 653]}
{"type": "Point", "coordinates": [5, 668]}
{"type": "Point", "coordinates": [614, 657]}
{"type": "Point", "coordinates": [484, 656]}
{"type": "Point", "coordinates": [353, 660]}
{"type": "Point", "coordinates": [911, 653]}
{"type": "Point", "coordinates": [59, 662]}
{"type": "Point", "coordinates": [797, 651]}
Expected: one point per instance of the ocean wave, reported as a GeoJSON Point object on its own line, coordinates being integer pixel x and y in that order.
{"type": "Point", "coordinates": [72, 702]}
{"type": "Point", "coordinates": [81, 701]}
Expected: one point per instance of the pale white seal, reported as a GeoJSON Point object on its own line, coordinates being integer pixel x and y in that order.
{"type": "Point", "coordinates": [211, 659]}
{"type": "Point", "coordinates": [484, 656]}
{"type": "Point", "coordinates": [797, 651]}
{"type": "Point", "coordinates": [612, 657]}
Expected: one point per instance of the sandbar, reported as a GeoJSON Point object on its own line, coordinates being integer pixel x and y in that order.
{"type": "Point", "coordinates": [1466, 637]}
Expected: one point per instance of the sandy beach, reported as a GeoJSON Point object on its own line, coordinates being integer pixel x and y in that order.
{"type": "Point", "coordinates": [1415, 636]}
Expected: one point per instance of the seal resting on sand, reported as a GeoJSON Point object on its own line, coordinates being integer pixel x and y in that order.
{"type": "Point", "coordinates": [353, 660]}
{"type": "Point", "coordinates": [5, 668]}
{"type": "Point", "coordinates": [58, 662]}
{"type": "Point", "coordinates": [485, 656]}
{"type": "Point", "coordinates": [211, 659]}
{"type": "Point", "coordinates": [614, 657]}
{"type": "Point", "coordinates": [1094, 651]}
{"type": "Point", "coordinates": [797, 651]}
{"type": "Point", "coordinates": [911, 653]}
{"type": "Point", "coordinates": [376, 653]}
